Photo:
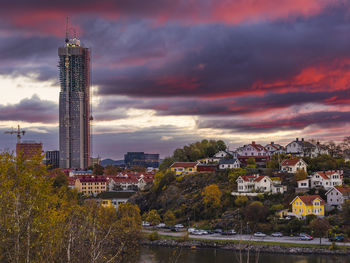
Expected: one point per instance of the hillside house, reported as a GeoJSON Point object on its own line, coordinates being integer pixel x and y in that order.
{"type": "Point", "coordinates": [308, 205]}
{"type": "Point", "coordinates": [184, 167]}
{"type": "Point", "coordinates": [337, 195]}
{"type": "Point", "coordinates": [293, 165]}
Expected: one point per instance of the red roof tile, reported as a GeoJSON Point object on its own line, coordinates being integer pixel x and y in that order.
{"type": "Point", "coordinates": [343, 190]}
{"type": "Point", "coordinates": [290, 162]}
{"type": "Point", "coordinates": [308, 199]}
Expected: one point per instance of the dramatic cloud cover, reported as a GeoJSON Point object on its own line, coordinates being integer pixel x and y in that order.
{"type": "Point", "coordinates": [167, 72]}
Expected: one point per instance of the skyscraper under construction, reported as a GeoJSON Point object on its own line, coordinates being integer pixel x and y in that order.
{"type": "Point", "coordinates": [74, 104]}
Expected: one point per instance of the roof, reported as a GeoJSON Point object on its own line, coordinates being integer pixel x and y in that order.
{"type": "Point", "coordinates": [85, 179]}
{"type": "Point", "coordinates": [252, 178]}
{"type": "Point", "coordinates": [118, 194]}
{"type": "Point", "coordinates": [290, 162]}
{"type": "Point", "coordinates": [228, 161]}
{"type": "Point", "coordinates": [183, 164]}
{"type": "Point", "coordinates": [326, 175]}
{"type": "Point", "coordinates": [343, 190]}
{"type": "Point", "coordinates": [257, 147]}
{"type": "Point", "coordinates": [308, 199]}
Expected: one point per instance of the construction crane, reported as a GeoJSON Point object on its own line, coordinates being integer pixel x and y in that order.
{"type": "Point", "coordinates": [19, 132]}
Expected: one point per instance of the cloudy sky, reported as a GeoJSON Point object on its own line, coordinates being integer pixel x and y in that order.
{"type": "Point", "coordinates": [167, 73]}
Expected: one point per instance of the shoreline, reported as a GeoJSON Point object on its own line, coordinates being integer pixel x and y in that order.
{"type": "Point", "coordinates": [244, 246]}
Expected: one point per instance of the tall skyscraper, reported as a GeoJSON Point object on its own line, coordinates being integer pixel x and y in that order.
{"type": "Point", "coordinates": [74, 104]}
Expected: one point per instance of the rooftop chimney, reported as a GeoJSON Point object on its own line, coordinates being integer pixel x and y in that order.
{"type": "Point", "coordinates": [272, 143]}
{"type": "Point", "coordinates": [297, 139]}
{"type": "Point", "coordinates": [302, 139]}
{"type": "Point", "coordinates": [253, 142]}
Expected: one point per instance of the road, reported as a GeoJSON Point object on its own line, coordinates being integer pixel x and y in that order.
{"type": "Point", "coordinates": [284, 239]}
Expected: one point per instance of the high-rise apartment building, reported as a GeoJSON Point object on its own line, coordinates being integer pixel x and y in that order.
{"type": "Point", "coordinates": [52, 159]}
{"type": "Point", "coordinates": [141, 159]}
{"type": "Point", "coordinates": [74, 105]}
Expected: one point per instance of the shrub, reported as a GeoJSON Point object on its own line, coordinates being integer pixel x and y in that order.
{"type": "Point", "coordinates": [153, 236]}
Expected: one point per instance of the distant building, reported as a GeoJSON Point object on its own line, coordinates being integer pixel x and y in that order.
{"type": "Point", "coordinates": [95, 160]}
{"type": "Point", "coordinates": [255, 151]}
{"type": "Point", "coordinates": [274, 148]}
{"type": "Point", "coordinates": [29, 149]}
{"type": "Point", "coordinates": [74, 105]}
{"type": "Point", "coordinates": [91, 185]}
{"type": "Point", "coordinates": [206, 168]}
{"type": "Point", "coordinates": [259, 183]}
{"type": "Point", "coordinates": [326, 179]}
{"type": "Point", "coordinates": [141, 159]}
{"type": "Point", "coordinates": [114, 199]}
{"type": "Point", "coordinates": [229, 164]}
{"type": "Point", "coordinates": [52, 159]}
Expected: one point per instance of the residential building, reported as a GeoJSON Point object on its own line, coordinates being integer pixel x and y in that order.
{"type": "Point", "coordinates": [304, 148]}
{"type": "Point", "coordinates": [258, 183]}
{"type": "Point", "coordinates": [229, 164]}
{"type": "Point", "coordinates": [91, 185]}
{"type": "Point", "coordinates": [184, 167]}
{"type": "Point", "coordinates": [141, 159]}
{"type": "Point", "coordinates": [326, 179]}
{"type": "Point", "coordinates": [256, 151]}
{"type": "Point", "coordinates": [114, 199]}
{"type": "Point", "coordinates": [74, 105]}
{"type": "Point", "coordinates": [130, 181]}
{"type": "Point", "coordinates": [293, 165]}
{"type": "Point", "coordinates": [80, 173]}
{"type": "Point", "coordinates": [274, 148]}
{"type": "Point", "coordinates": [52, 159]}
{"type": "Point", "coordinates": [304, 184]}
{"type": "Point", "coordinates": [29, 149]}
{"type": "Point", "coordinates": [308, 205]}
{"type": "Point", "coordinates": [337, 195]}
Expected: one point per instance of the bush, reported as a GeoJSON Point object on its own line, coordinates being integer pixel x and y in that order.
{"type": "Point", "coordinates": [153, 236]}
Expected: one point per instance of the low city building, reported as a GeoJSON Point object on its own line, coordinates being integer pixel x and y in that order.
{"type": "Point", "coordinates": [308, 205]}
{"type": "Point", "coordinates": [114, 199]}
{"type": "Point", "coordinates": [293, 165]}
{"type": "Point", "coordinates": [91, 185]}
{"type": "Point", "coordinates": [337, 195]}
{"type": "Point", "coordinates": [206, 168]}
{"type": "Point", "coordinates": [130, 181]}
{"type": "Point", "coordinates": [253, 151]}
{"type": "Point", "coordinates": [184, 167]}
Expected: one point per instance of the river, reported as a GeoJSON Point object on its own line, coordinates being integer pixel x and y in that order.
{"type": "Point", "coordinates": [169, 255]}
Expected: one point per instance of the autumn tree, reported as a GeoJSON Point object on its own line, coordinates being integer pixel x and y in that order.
{"type": "Point", "coordinates": [169, 218]}
{"type": "Point", "coordinates": [251, 163]}
{"type": "Point", "coordinates": [320, 227]}
{"type": "Point", "coordinates": [111, 170]}
{"type": "Point", "coordinates": [153, 217]}
{"type": "Point", "coordinates": [241, 200]}
{"type": "Point", "coordinates": [300, 175]}
{"type": "Point", "coordinates": [255, 212]}
{"type": "Point", "coordinates": [211, 196]}
{"type": "Point", "coordinates": [98, 169]}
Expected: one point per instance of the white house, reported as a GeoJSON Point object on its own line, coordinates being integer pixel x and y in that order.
{"type": "Point", "coordinates": [253, 150]}
{"type": "Point", "coordinates": [304, 148]}
{"type": "Point", "coordinates": [304, 184]}
{"type": "Point", "coordinates": [274, 148]}
{"type": "Point", "coordinates": [258, 183]}
{"type": "Point", "coordinates": [293, 165]}
{"type": "Point", "coordinates": [114, 198]}
{"type": "Point", "coordinates": [337, 195]}
{"type": "Point", "coordinates": [326, 179]}
{"type": "Point", "coordinates": [229, 164]}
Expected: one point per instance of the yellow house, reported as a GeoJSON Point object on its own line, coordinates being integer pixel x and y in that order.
{"type": "Point", "coordinates": [308, 205]}
{"type": "Point", "coordinates": [184, 167]}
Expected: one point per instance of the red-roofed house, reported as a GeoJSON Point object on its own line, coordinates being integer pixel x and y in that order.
{"type": "Point", "coordinates": [253, 150]}
{"type": "Point", "coordinates": [184, 167]}
{"type": "Point", "coordinates": [258, 183]}
{"type": "Point", "coordinates": [274, 148]}
{"type": "Point", "coordinates": [293, 165]}
{"type": "Point", "coordinates": [130, 181]}
{"type": "Point", "coordinates": [337, 195]}
{"type": "Point", "coordinates": [326, 179]}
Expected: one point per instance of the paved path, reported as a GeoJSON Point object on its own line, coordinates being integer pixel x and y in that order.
{"type": "Point", "coordinates": [284, 239]}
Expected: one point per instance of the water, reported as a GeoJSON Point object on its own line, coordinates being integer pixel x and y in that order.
{"type": "Point", "coordinates": [170, 255]}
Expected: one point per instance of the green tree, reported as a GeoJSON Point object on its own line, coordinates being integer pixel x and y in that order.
{"type": "Point", "coordinates": [169, 218]}
{"type": "Point", "coordinates": [345, 213]}
{"type": "Point", "coordinates": [255, 212]}
{"type": "Point", "coordinates": [221, 145]}
{"type": "Point", "coordinates": [235, 173]}
{"type": "Point", "coordinates": [251, 163]}
{"type": "Point", "coordinates": [166, 163]}
{"type": "Point", "coordinates": [320, 227]}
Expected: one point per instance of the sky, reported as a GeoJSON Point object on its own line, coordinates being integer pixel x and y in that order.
{"type": "Point", "coordinates": [167, 73]}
